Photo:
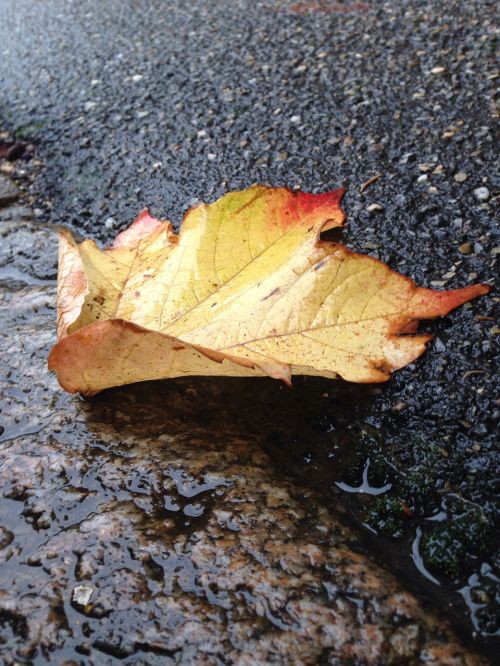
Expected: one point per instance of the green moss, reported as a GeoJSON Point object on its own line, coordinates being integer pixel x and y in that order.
{"type": "Point", "coordinates": [418, 490]}
{"type": "Point", "coordinates": [379, 473]}
{"type": "Point", "coordinates": [387, 516]}
{"type": "Point", "coordinates": [477, 534]}
{"type": "Point", "coordinates": [28, 131]}
{"type": "Point", "coordinates": [452, 545]}
{"type": "Point", "coordinates": [443, 553]}
{"type": "Point", "coordinates": [424, 452]}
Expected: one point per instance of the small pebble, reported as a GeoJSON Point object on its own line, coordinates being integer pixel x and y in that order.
{"type": "Point", "coordinates": [82, 594]}
{"type": "Point", "coordinates": [33, 560]}
{"type": "Point", "coordinates": [482, 193]}
{"type": "Point", "coordinates": [378, 148]}
{"type": "Point", "coordinates": [465, 248]}
{"type": "Point", "coordinates": [438, 70]}
{"type": "Point", "coordinates": [295, 119]}
{"type": "Point", "coordinates": [375, 208]}
{"type": "Point", "coordinates": [439, 345]}
{"type": "Point", "coordinates": [110, 222]}
{"type": "Point", "coordinates": [460, 177]}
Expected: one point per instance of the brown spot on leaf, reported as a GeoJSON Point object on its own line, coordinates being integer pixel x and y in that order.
{"type": "Point", "coordinates": [271, 293]}
{"type": "Point", "coordinates": [320, 264]}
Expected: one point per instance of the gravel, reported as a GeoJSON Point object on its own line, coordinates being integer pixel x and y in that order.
{"type": "Point", "coordinates": [482, 193]}
{"type": "Point", "coordinates": [8, 191]}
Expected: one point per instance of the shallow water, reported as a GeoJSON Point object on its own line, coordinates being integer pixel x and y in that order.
{"type": "Point", "coordinates": [137, 463]}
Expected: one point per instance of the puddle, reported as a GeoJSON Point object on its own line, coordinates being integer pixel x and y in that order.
{"type": "Point", "coordinates": [21, 428]}
{"type": "Point", "coordinates": [480, 594]}
{"type": "Point", "coordinates": [411, 521]}
{"type": "Point", "coordinates": [322, 435]}
{"type": "Point", "coordinates": [364, 487]}
{"type": "Point", "coordinates": [418, 560]}
{"type": "Point", "coordinates": [161, 499]}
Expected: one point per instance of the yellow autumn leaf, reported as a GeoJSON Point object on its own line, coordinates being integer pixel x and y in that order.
{"type": "Point", "coordinates": [247, 288]}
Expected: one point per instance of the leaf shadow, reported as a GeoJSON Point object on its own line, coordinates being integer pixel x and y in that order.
{"type": "Point", "coordinates": [180, 435]}
{"type": "Point", "coordinates": [310, 431]}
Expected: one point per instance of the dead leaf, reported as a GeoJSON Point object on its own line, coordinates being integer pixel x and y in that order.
{"type": "Point", "coordinates": [247, 288]}
{"type": "Point", "coordinates": [369, 182]}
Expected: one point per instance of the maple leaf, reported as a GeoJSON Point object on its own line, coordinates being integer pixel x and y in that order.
{"type": "Point", "coordinates": [247, 288]}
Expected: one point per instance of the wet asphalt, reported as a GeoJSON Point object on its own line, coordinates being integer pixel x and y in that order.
{"type": "Point", "coordinates": [162, 104]}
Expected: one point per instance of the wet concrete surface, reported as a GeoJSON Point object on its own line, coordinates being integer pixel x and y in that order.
{"type": "Point", "coordinates": [150, 526]}
{"type": "Point", "coordinates": [132, 104]}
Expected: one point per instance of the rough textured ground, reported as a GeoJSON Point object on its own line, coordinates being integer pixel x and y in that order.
{"type": "Point", "coordinates": [161, 104]}
{"type": "Point", "coordinates": [148, 526]}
